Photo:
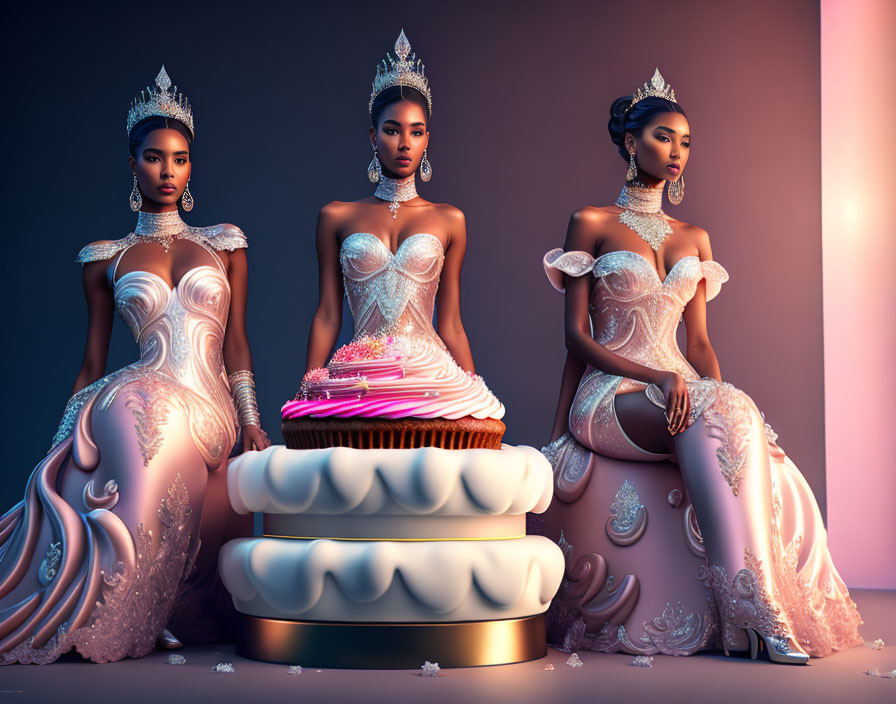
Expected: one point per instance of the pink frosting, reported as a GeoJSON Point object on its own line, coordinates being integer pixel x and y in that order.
{"type": "Point", "coordinates": [424, 382]}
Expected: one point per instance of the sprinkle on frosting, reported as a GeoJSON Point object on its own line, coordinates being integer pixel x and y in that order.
{"type": "Point", "coordinates": [365, 348]}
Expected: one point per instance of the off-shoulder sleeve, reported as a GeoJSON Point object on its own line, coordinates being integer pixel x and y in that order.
{"type": "Point", "coordinates": [226, 236]}
{"type": "Point", "coordinates": [557, 263]}
{"type": "Point", "coordinates": [715, 276]}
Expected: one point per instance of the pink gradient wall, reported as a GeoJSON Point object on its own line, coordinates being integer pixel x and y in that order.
{"type": "Point", "coordinates": [858, 106]}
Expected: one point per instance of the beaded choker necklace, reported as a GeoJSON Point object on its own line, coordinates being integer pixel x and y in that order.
{"type": "Point", "coordinates": [643, 213]}
{"type": "Point", "coordinates": [159, 227]}
{"type": "Point", "coordinates": [396, 191]}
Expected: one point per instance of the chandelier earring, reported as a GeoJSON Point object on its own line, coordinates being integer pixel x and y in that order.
{"type": "Point", "coordinates": [374, 171]}
{"type": "Point", "coordinates": [136, 199]}
{"type": "Point", "coordinates": [425, 169]}
{"type": "Point", "coordinates": [632, 172]}
{"type": "Point", "coordinates": [676, 191]}
{"type": "Point", "coordinates": [186, 200]}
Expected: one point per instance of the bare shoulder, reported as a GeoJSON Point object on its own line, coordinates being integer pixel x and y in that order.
{"type": "Point", "coordinates": [697, 235]}
{"type": "Point", "coordinates": [334, 214]}
{"type": "Point", "coordinates": [335, 209]}
{"type": "Point", "coordinates": [596, 215]}
{"type": "Point", "coordinates": [452, 216]}
{"type": "Point", "coordinates": [587, 227]}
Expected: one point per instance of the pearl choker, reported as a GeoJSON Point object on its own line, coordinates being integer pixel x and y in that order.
{"type": "Point", "coordinates": [643, 213]}
{"type": "Point", "coordinates": [159, 227]}
{"type": "Point", "coordinates": [396, 191]}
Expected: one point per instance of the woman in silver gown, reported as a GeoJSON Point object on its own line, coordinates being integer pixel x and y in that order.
{"type": "Point", "coordinates": [118, 533]}
{"type": "Point", "coordinates": [765, 576]}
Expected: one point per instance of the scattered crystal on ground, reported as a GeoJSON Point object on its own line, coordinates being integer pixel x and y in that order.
{"type": "Point", "coordinates": [874, 672]}
{"type": "Point", "coordinates": [176, 659]}
{"type": "Point", "coordinates": [430, 669]}
{"type": "Point", "coordinates": [294, 670]}
{"type": "Point", "coordinates": [574, 660]}
{"type": "Point", "coordinates": [549, 667]}
{"type": "Point", "coordinates": [223, 667]}
{"type": "Point", "coordinates": [643, 661]}
{"type": "Point", "coordinates": [877, 644]}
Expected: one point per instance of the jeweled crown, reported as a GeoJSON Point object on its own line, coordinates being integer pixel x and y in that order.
{"type": "Point", "coordinates": [162, 102]}
{"type": "Point", "coordinates": [402, 71]}
{"type": "Point", "coordinates": [656, 87]}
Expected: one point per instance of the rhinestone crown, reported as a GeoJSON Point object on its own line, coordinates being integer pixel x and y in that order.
{"type": "Point", "coordinates": [402, 71]}
{"type": "Point", "coordinates": [162, 102]}
{"type": "Point", "coordinates": [655, 88]}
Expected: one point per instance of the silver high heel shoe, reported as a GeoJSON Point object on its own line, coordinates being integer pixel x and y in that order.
{"type": "Point", "coordinates": [785, 651]}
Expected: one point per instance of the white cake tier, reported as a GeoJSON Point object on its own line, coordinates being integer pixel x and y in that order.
{"type": "Point", "coordinates": [382, 581]}
{"type": "Point", "coordinates": [423, 481]}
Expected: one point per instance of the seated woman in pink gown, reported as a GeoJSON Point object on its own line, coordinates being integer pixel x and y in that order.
{"type": "Point", "coordinates": [631, 400]}
{"type": "Point", "coordinates": [119, 530]}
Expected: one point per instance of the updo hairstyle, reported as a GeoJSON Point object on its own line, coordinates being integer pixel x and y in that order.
{"type": "Point", "coordinates": [636, 119]}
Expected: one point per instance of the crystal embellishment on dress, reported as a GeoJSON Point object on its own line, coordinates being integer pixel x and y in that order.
{"type": "Point", "coordinates": [401, 72]}
{"type": "Point", "coordinates": [625, 507]}
{"type": "Point", "coordinates": [396, 191]}
{"type": "Point", "coordinates": [162, 102]}
{"type": "Point", "coordinates": [642, 212]}
{"type": "Point", "coordinates": [162, 228]}
{"type": "Point", "coordinates": [50, 564]}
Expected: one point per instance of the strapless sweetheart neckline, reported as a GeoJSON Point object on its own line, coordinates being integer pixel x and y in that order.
{"type": "Point", "coordinates": [647, 262]}
{"type": "Point", "coordinates": [386, 247]}
{"type": "Point", "coordinates": [187, 273]}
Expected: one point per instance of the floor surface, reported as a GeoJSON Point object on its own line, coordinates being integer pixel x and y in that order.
{"type": "Point", "coordinates": [840, 678]}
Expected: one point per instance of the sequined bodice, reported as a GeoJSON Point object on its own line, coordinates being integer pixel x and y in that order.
{"type": "Point", "coordinates": [392, 294]}
{"type": "Point", "coordinates": [633, 313]}
{"type": "Point", "coordinates": [636, 315]}
{"type": "Point", "coordinates": [180, 330]}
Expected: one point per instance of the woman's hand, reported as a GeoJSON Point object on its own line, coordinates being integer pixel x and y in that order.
{"type": "Point", "coordinates": [254, 438]}
{"type": "Point", "coordinates": [678, 401]}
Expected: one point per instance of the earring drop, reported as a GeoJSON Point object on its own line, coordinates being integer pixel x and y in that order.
{"type": "Point", "coordinates": [374, 171]}
{"type": "Point", "coordinates": [676, 191]}
{"type": "Point", "coordinates": [425, 169]}
{"type": "Point", "coordinates": [632, 172]}
{"type": "Point", "coordinates": [136, 200]}
{"type": "Point", "coordinates": [186, 200]}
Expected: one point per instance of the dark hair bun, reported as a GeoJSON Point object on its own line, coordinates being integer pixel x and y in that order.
{"type": "Point", "coordinates": [617, 119]}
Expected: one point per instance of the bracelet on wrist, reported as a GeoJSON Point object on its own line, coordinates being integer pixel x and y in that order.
{"type": "Point", "coordinates": [242, 388]}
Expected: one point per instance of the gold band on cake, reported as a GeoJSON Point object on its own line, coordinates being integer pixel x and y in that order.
{"type": "Point", "coordinates": [390, 527]}
{"type": "Point", "coordinates": [391, 645]}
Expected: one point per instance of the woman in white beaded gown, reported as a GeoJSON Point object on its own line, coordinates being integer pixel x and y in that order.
{"type": "Point", "coordinates": [119, 530]}
{"type": "Point", "coordinates": [396, 257]}
{"type": "Point", "coordinates": [630, 274]}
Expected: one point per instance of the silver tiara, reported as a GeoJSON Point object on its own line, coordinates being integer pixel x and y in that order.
{"type": "Point", "coordinates": [162, 102]}
{"type": "Point", "coordinates": [655, 88]}
{"type": "Point", "coordinates": [402, 71]}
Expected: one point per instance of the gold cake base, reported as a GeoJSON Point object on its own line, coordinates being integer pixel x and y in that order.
{"type": "Point", "coordinates": [391, 646]}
